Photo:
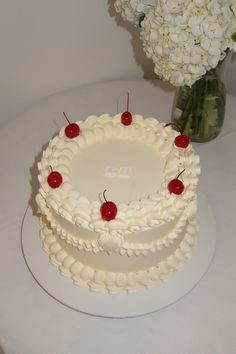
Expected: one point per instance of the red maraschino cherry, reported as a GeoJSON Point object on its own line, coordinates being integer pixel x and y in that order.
{"type": "Point", "coordinates": [108, 209]}
{"type": "Point", "coordinates": [126, 117]}
{"type": "Point", "coordinates": [175, 185]}
{"type": "Point", "coordinates": [181, 140]}
{"type": "Point", "coordinates": [54, 179]}
{"type": "Point", "coordinates": [72, 130]}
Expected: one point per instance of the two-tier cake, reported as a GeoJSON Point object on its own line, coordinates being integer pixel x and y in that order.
{"type": "Point", "coordinates": [117, 200]}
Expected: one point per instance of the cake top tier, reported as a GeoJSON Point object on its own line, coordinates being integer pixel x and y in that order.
{"type": "Point", "coordinates": [133, 163]}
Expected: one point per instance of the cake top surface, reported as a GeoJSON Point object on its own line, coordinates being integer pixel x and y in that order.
{"type": "Point", "coordinates": [133, 163]}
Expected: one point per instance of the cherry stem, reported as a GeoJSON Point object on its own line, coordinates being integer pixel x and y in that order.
{"type": "Point", "coordinates": [127, 102]}
{"type": "Point", "coordinates": [178, 127]}
{"type": "Point", "coordinates": [66, 118]}
{"type": "Point", "coordinates": [51, 168]}
{"type": "Point", "coordinates": [104, 196]}
{"type": "Point", "coordinates": [180, 174]}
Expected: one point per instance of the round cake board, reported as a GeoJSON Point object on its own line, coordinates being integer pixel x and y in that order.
{"type": "Point", "coordinates": [119, 305]}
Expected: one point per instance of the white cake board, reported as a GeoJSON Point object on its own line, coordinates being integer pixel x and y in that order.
{"type": "Point", "coordinates": [119, 305]}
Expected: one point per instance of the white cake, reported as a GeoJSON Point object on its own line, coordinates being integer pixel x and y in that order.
{"type": "Point", "coordinates": [154, 230]}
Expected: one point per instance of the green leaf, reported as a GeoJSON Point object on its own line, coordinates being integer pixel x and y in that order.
{"type": "Point", "coordinates": [234, 37]}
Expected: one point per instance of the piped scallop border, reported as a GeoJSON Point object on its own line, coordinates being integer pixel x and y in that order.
{"type": "Point", "coordinates": [140, 215]}
{"type": "Point", "coordinates": [111, 282]}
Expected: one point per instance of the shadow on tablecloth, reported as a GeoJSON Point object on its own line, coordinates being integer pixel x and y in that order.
{"type": "Point", "coordinates": [34, 182]}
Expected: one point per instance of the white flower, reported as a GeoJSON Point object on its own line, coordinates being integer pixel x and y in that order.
{"type": "Point", "coordinates": [233, 25]}
{"type": "Point", "coordinates": [132, 10]}
{"type": "Point", "coordinates": [186, 38]}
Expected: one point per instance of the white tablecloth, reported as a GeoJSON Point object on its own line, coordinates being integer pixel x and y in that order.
{"type": "Point", "coordinates": [31, 322]}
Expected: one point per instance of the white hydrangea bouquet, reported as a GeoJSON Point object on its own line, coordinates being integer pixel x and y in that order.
{"type": "Point", "coordinates": [187, 41]}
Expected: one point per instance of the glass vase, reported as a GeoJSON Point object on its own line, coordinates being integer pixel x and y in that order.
{"type": "Point", "coordinates": [199, 110]}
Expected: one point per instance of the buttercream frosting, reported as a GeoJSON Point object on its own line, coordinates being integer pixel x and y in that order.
{"type": "Point", "coordinates": [154, 228]}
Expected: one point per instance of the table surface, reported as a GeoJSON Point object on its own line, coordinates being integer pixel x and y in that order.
{"type": "Point", "coordinates": [31, 322]}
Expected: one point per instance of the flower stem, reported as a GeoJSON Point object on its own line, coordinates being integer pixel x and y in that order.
{"type": "Point", "coordinates": [205, 113]}
{"type": "Point", "coordinates": [187, 116]}
{"type": "Point", "coordinates": [199, 109]}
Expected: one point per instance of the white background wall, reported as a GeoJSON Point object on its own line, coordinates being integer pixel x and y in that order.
{"type": "Point", "coordinates": [51, 45]}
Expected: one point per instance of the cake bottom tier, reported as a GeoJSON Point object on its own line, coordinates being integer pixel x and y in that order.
{"type": "Point", "coordinates": [115, 273]}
